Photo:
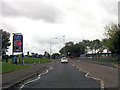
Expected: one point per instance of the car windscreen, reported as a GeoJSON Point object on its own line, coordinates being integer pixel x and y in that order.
{"type": "Point", "coordinates": [64, 58]}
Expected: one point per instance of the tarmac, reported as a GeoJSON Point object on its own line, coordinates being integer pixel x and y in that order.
{"type": "Point", "coordinates": [102, 70]}
{"type": "Point", "coordinates": [109, 74]}
{"type": "Point", "coordinates": [12, 79]}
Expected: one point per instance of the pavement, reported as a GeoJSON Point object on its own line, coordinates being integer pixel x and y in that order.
{"type": "Point", "coordinates": [105, 71]}
{"type": "Point", "coordinates": [12, 78]}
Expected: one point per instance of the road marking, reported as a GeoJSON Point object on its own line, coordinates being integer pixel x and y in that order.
{"type": "Point", "coordinates": [87, 73]}
{"type": "Point", "coordinates": [46, 71]}
{"type": "Point", "coordinates": [102, 82]}
{"type": "Point", "coordinates": [77, 67]}
{"type": "Point", "coordinates": [73, 65]}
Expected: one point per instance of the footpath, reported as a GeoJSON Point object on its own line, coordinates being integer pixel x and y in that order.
{"type": "Point", "coordinates": [18, 77]}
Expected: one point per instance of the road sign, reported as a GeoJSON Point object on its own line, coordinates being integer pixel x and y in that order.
{"type": "Point", "coordinates": [17, 43]}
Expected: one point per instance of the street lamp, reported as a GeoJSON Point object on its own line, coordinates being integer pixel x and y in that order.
{"type": "Point", "coordinates": [63, 44]}
{"type": "Point", "coordinates": [0, 44]}
{"type": "Point", "coordinates": [51, 46]}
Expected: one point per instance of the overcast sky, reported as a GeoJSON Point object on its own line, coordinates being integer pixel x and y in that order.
{"type": "Point", "coordinates": [42, 20]}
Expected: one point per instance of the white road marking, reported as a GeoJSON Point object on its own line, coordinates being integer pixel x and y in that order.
{"type": "Point", "coordinates": [46, 71]}
{"type": "Point", "coordinates": [73, 65]}
{"type": "Point", "coordinates": [77, 67]}
{"type": "Point", "coordinates": [102, 82]}
{"type": "Point", "coordinates": [87, 73]}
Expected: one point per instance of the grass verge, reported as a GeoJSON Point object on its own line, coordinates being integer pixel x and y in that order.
{"type": "Point", "coordinates": [8, 67]}
{"type": "Point", "coordinates": [31, 60]}
{"type": "Point", "coordinates": [36, 60]}
{"type": "Point", "coordinates": [105, 59]}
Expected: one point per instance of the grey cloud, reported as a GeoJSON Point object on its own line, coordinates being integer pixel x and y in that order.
{"type": "Point", "coordinates": [110, 7]}
{"type": "Point", "coordinates": [8, 27]}
{"type": "Point", "coordinates": [45, 40]}
{"type": "Point", "coordinates": [33, 10]}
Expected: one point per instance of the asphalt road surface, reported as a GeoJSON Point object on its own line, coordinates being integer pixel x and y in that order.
{"type": "Point", "coordinates": [64, 75]}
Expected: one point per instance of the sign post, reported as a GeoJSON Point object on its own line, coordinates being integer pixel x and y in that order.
{"type": "Point", "coordinates": [17, 44]}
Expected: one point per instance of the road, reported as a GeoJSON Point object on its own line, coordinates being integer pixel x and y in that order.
{"type": "Point", "coordinates": [105, 71]}
{"type": "Point", "coordinates": [64, 75]}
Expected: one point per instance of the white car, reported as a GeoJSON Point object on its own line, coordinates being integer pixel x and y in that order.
{"type": "Point", "coordinates": [64, 60]}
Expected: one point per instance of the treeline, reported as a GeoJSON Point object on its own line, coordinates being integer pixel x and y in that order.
{"type": "Point", "coordinates": [111, 43]}
{"type": "Point", "coordinates": [83, 47]}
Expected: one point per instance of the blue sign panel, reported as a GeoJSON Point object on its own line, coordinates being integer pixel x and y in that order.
{"type": "Point", "coordinates": [17, 43]}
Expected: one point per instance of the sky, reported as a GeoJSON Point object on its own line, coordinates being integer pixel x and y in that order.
{"type": "Point", "coordinates": [40, 21]}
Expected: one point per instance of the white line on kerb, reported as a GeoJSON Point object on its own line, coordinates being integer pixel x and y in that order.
{"type": "Point", "coordinates": [46, 71]}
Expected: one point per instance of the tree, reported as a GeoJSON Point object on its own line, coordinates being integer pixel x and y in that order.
{"type": "Point", "coordinates": [86, 44]}
{"type": "Point", "coordinates": [112, 34]}
{"type": "Point", "coordinates": [105, 43]}
{"type": "Point", "coordinates": [113, 39]}
{"type": "Point", "coordinates": [5, 41]}
{"type": "Point", "coordinates": [0, 44]}
{"type": "Point", "coordinates": [67, 48]}
{"type": "Point", "coordinates": [116, 44]}
{"type": "Point", "coordinates": [69, 43]}
{"type": "Point", "coordinates": [55, 55]}
{"type": "Point", "coordinates": [96, 45]}
{"type": "Point", "coordinates": [72, 49]}
{"type": "Point", "coordinates": [91, 46]}
{"type": "Point", "coordinates": [46, 54]}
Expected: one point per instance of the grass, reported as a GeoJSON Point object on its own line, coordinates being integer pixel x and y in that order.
{"type": "Point", "coordinates": [0, 67]}
{"type": "Point", "coordinates": [8, 67]}
{"type": "Point", "coordinates": [105, 59]}
{"type": "Point", "coordinates": [31, 60]}
{"type": "Point", "coordinates": [36, 60]}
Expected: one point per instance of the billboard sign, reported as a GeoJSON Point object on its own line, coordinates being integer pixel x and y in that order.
{"type": "Point", "coordinates": [17, 43]}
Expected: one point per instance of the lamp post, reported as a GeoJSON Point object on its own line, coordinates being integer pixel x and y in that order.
{"type": "Point", "coordinates": [51, 46]}
{"type": "Point", "coordinates": [63, 44]}
{"type": "Point", "coordinates": [0, 44]}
